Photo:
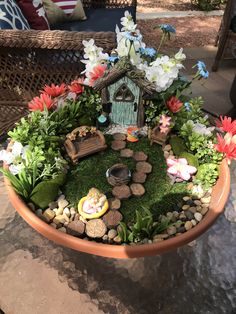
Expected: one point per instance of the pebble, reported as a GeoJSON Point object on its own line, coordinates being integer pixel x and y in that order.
{"type": "Point", "coordinates": [199, 208]}
{"type": "Point", "coordinates": [39, 212]}
{"type": "Point", "coordinates": [185, 207]}
{"type": "Point", "coordinates": [62, 229]}
{"type": "Point", "coordinates": [171, 230]}
{"type": "Point", "coordinates": [193, 221]}
{"type": "Point", "coordinates": [112, 234]}
{"type": "Point", "coordinates": [31, 206]}
{"type": "Point", "coordinates": [166, 154]}
{"type": "Point", "coordinates": [73, 211]}
{"type": "Point", "coordinates": [59, 211]}
{"type": "Point", "coordinates": [182, 217]}
{"type": "Point", "coordinates": [67, 212]}
{"type": "Point", "coordinates": [61, 197]}
{"type": "Point", "coordinates": [181, 229]}
{"type": "Point", "coordinates": [53, 225]}
{"type": "Point", "coordinates": [156, 240]}
{"type": "Point", "coordinates": [193, 209]}
{"type": "Point", "coordinates": [59, 219]}
{"type": "Point", "coordinates": [188, 225]}
{"type": "Point", "coordinates": [167, 148]}
{"type": "Point", "coordinates": [171, 153]}
{"type": "Point", "coordinates": [76, 228]}
{"type": "Point", "coordinates": [197, 202]}
{"type": "Point", "coordinates": [206, 200]}
{"type": "Point", "coordinates": [198, 216]}
{"type": "Point", "coordinates": [105, 238]}
{"type": "Point", "coordinates": [66, 218]}
{"type": "Point", "coordinates": [53, 205]}
{"type": "Point", "coordinates": [161, 236]}
{"type": "Point", "coordinates": [204, 210]}
{"type": "Point", "coordinates": [186, 198]}
{"type": "Point", "coordinates": [189, 214]}
{"type": "Point", "coordinates": [63, 203]}
{"type": "Point", "coordinates": [49, 214]}
{"type": "Point", "coordinates": [117, 240]}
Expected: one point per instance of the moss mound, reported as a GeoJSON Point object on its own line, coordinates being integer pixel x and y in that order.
{"type": "Point", "coordinates": [160, 195]}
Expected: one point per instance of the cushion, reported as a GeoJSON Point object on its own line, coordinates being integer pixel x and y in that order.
{"type": "Point", "coordinates": [63, 10]}
{"type": "Point", "coordinates": [34, 12]}
{"type": "Point", "coordinates": [98, 20]}
{"type": "Point", "coordinates": [11, 16]}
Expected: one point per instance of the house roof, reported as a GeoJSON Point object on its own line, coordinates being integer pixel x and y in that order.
{"type": "Point", "coordinates": [124, 68]}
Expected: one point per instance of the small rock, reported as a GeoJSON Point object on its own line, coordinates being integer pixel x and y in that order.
{"type": "Point", "coordinates": [145, 241]}
{"type": "Point", "coordinates": [66, 217]}
{"type": "Point", "coordinates": [59, 211]}
{"type": "Point", "coordinates": [137, 189]}
{"type": "Point", "coordinates": [188, 225]}
{"type": "Point", "coordinates": [117, 240]}
{"type": "Point", "coordinates": [171, 153]}
{"type": "Point", "coordinates": [126, 153]}
{"type": "Point", "coordinates": [66, 212]}
{"type": "Point", "coordinates": [114, 203]}
{"type": "Point", "coordinates": [76, 228]}
{"type": "Point", "coordinates": [62, 229]}
{"type": "Point", "coordinates": [166, 154]}
{"type": "Point", "coordinates": [122, 192]}
{"type": "Point", "coordinates": [53, 205]}
{"type": "Point", "coordinates": [139, 177]}
{"type": "Point", "coordinates": [144, 166]}
{"type": "Point", "coordinates": [63, 203]}
{"type": "Point", "coordinates": [186, 198]}
{"type": "Point", "coordinates": [112, 218]}
{"type": "Point", "coordinates": [182, 217]}
{"type": "Point", "coordinates": [39, 212]}
{"type": "Point", "coordinates": [140, 156]}
{"type": "Point", "coordinates": [112, 234]}
{"type": "Point", "coordinates": [189, 214]}
{"type": "Point", "coordinates": [199, 208]}
{"type": "Point", "coordinates": [95, 228]}
{"type": "Point", "coordinates": [161, 236]}
{"type": "Point", "coordinates": [49, 214]}
{"type": "Point", "coordinates": [204, 210]}
{"type": "Point", "coordinates": [31, 206]}
{"type": "Point", "coordinates": [61, 197]}
{"type": "Point", "coordinates": [66, 223]}
{"type": "Point", "coordinates": [105, 238]}
{"type": "Point", "coordinates": [206, 200]}
{"type": "Point", "coordinates": [193, 209]}
{"type": "Point", "coordinates": [119, 136]}
{"type": "Point", "coordinates": [167, 148]}
{"type": "Point", "coordinates": [181, 229]}
{"type": "Point", "coordinates": [198, 216]}
{"type": "Point", "coordinates": [118, 145]}
{"type": "Point", "coordinates": [171, 230]}
{"type": "Point", "coordinates": [185, 207]}
{"type": "Point", "coordinates": [193, 221]}
{"type": "Point", "coordinates": [197, 202]}
{"type": "Point", "coordinates": [156, 240]}
{"type": "Point", "coordinates": [53, 225]}
{"type": "Point", "coordinates": [178, 223]}
{"type": "Point", "coordinates": [73, 211]}
{"type": "Point", "coordinates": [77, 216]}
{"type": "Point", "coordinates": [59, 219]}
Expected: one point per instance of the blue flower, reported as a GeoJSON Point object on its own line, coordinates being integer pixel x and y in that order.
{"type": "Point", "coordinates": [113, 58]}
{"type": "Point", "coordinates": [202, 69]}
{"type": "Point", "coordinates": [187, 106]}
{"type": "Point", "coordinates": [133, 36]}
{"type": "Point", "coordinates": [167, 28]}
{"type": "Point", "coordinates": [149, 52]}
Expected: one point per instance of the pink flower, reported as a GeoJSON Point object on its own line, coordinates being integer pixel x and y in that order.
{"type": "Point", "coordinates": [164, 124]}
{"type": "Point", "coordinates": [39, 103]}
{"type": "Point", "coordinates": [97, 72]}
{"type": "Point", "coordinates": [180, 168]}
{"type": "Point", "coordinates": [174, 104]}
{"type": "Point", "coordinates": [77, 86]}
{"type": "Point", "coordinates": [227, 145]}
{"type": "Point", "coordinates": [227, 125]}
{"type": "Point", "coordinates": [54, 90]}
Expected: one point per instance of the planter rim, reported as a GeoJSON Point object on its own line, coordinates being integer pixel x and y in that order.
{"type": "Point", "coordinates": [219, 198]}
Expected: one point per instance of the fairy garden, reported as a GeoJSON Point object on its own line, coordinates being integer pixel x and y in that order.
{"type": "Point", "coordinates": [123, 154]}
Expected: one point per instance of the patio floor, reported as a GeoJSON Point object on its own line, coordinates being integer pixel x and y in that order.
{"type": "Point", "coordinates": [40, 277]}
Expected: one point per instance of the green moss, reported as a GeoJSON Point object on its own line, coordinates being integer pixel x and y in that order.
{"type": "Point", "coordinates": [160, 195]}
{"type": "Point", "coordinates": [44, 193]}
{"type": "Point", "coordinates": [191, 159]}
{"type": "Point", "coordinates": [177, 145]}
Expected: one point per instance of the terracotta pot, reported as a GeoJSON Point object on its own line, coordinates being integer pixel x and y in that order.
{"type": "Point", "coordinates": [219, 197]}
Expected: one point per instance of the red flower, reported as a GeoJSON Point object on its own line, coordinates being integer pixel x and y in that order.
{"type": "Point", "coordinates": [76, 86]}
{"type": "Point", "coordinates": [39, 103]}
{"type": "Point", "coordinates": [97, 72]}
{"type": "Point", "coordinates": [54, 90]}
{"type": "Point", "coordinates": [226, 145]}
{"type": "Point", "coordinates": [174, 104]}
{"type": "Point", "coordinates": [227, 125]}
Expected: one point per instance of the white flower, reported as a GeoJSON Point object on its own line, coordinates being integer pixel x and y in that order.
{"type": "Point", "coordinates": [15, 169]}
{"type": "Point", "coordinates": [202, 129]}
{"type": "Point", "coordinates": [6, 156]}
{"type": "Point", "coordinates": [128, 23]}
{"type": "Point", "coordinates": [17, 149]}
{"type": "Point", "coordinates": [180, 56]}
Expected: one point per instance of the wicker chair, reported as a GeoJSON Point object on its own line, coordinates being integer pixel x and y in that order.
{"type": "Point", "coordinates": [30, 59]}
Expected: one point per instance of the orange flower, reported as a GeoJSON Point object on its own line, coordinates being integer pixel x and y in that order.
{"type": "Point", "coordinates": [39, 103]}
{"type": "Point", "coordinates": [227, 145]}
{"type": "Point", "coordinates": [174, 104]}
{"type": "Point", "coordinates": [227, 125]}
{"type": "Point", "coordinates": [97, 72]}
{"type": "Point", "coordinates": [54, 90]}
{"type": "Point", "coordinates": [77, 86]}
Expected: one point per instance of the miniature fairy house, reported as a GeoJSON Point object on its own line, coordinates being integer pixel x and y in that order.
{"type": "Point", "coordinates": [124, 86]}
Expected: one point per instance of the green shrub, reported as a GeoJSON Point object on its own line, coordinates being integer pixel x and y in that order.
{"type": "Point", "coordinates": [177, 145]}
{"type": "Point", "coordinates": [191, 159]}
{"type": "Point", "coordinates": [207, 175]}
{"type": "Point", "coordinates": [208, 5]}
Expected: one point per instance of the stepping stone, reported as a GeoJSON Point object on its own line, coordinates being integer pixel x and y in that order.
{"type": "Point", "coordinates": [95, 228]}
{"type": "Point", "coordinates": [112, 218]}
{"type": "Point", "coordinates": [118, 145]}
{"type": "Point", "coordinates": [137, 189]}
{"type": "Point", "coordinates": [143, 166]}
{"type": "Point", "coordinates": [139, 177]}
{"type": "Point", "coordinates": [140, 156]}
{"type": "Point", "coordinates": [114, 203]}
{"type": "Point", "coordinates": [122, 192]}
{"type": "Point", "coordinates": [119, 136]}
{"type": "Point", "coordinates": [76, 228]}
{"type": "Point", "coordinates": [127, 153]}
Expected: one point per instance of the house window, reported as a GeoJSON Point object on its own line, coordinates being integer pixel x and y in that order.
{"type": "Point", "coordinates": [123, 94]}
